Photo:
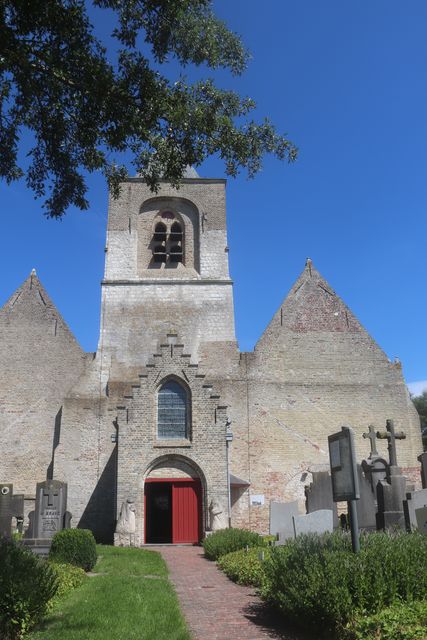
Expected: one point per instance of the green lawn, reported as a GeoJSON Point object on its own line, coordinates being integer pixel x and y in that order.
{"type": "Point", "coordinates": [132, 600]}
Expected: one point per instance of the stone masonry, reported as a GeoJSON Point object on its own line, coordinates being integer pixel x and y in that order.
{"type": "Point", "coordinates": [91, 419]}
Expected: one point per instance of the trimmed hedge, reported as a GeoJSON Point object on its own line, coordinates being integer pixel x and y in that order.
{"type": "Point", "coordinates": [227, 540]}
{"type": "Point", "coordinates": [69, 578]}
{"type": "Point", "coordinates": [245, 567]}
{"type": "Point", "coordinates": [318, 580]}
{"type": "Point", "coordinates": [27, 584]}
{"type": "Point", "coordinates": [74, 546]}
{"type": "Point", "coordinates": [402, 621]}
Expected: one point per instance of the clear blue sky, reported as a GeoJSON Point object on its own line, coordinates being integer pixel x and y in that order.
{"type": "Point", "coordinates": [348, 82]}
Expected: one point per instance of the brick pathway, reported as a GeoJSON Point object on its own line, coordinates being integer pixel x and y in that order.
{"type": "Point", "coordinates": [216, 608]}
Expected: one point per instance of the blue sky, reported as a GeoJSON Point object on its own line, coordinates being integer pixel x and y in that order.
{"type": "Point", "coordinates": [348, 82]}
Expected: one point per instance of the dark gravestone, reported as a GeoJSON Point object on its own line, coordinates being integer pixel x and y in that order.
{"type": "Point", "coordinates": [423, 459]}
{"type": "Point", "coordinates": [366, 505]}
{"type": "Point", "coordinates": [10, 507]}
{"type": "Point", "coordinates": [50, 514]}
{"type": "Point", "coordinates": [318, 495]}
{"type": "Point", "coordinates": [391, 492]}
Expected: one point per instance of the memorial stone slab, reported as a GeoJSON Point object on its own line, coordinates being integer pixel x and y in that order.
{"type": "Point", "coordinates": [390, 496]}
{"type": "Point", "coordinates": [414, 500]}
{"type": "Point", "coordinates": [321, 521]}
{"type": "Point", "coordinates": [366, 506]}
{"type": "Point", "coordinates": [281, 519]}
{"type": "Point", "coordinates": [11, 506]}
{"type": "Point", "coordinates": [50, 514]}
{"type": "Point", "coordinates": [318, 495]}
{"type": "Point", "coordinates": [421, 515]}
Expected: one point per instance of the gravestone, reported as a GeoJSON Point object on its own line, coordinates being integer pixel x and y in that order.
{"type": "Point", "coordinates": [391, 492]}
{"type": "Point", "coordinates": [11, 506]}
{"type": "Point", "coordinates": [320, 521]}
{"type": "Point", "coordinates": [366, 506]}
{"type": "Point", "coordinates": [318, 495]}
{"type": "Point", "coordinates": [414, 500]}
{"type": "Point", "coordinates": [423, 459]}
{"type": "Point", "coordinates": [281, 519]}
{"type": "Point", "coordinates": [375, 467]}
{"type": "Point", "coordinates": [421, 515]}
{"type": "Point", "coordinates": [50, 514]}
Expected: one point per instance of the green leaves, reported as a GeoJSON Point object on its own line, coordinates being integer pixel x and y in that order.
{"type": "Point", "coordinates": [85, 107]}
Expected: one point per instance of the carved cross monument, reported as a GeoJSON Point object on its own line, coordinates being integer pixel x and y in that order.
{"type": "Point", "coordinates": [391, 436]}
{"type": "Point", "coordinates": [371, 435]}
{"type": "Point", "coordinates": [10, 507]}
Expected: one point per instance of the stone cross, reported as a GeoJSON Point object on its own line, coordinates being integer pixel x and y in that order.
{"type": "Point", "coordinates": [371, 435]}
{"type": "Point", "coordinates": [10, 507]}
{"type": "Point", "coordinates": [391, 436]}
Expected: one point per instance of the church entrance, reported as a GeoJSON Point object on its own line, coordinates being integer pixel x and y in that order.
{"type": "Point", "coordinates": [173, 510]}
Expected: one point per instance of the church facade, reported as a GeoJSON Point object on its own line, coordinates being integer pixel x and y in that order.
{"type": "Point", "coordinates": [147, 419]}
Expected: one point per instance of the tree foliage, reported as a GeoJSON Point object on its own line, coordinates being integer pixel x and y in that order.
{"type": "Point", "coordinates": [86, 104]}
{"type": "Point", "coordinates": [420, 403]}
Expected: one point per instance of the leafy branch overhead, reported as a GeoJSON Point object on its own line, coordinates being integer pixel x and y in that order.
{"type": "Point", "coordinates": [85, 106]}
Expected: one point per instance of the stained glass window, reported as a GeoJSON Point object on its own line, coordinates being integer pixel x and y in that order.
{"type": "Point", "coordinates": [172, 411]}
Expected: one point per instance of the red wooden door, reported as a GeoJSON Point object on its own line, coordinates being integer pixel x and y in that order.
{"type": "Point", "coordinates": [186, 511]}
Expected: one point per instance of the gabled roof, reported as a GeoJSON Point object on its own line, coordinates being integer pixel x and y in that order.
{"type": "Point", "coordinates": [312, 306]}
{"type": "Point", "coordinates": [31, 303]}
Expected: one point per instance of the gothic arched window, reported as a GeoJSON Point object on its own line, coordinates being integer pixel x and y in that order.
{"type": "Point", "coordinates": [172, 411]}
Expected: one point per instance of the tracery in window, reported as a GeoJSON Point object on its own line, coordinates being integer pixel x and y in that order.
{"type": "Point", "coordinates": [172, 411]}
{"type": "Point", "coordinates": [168, 240]}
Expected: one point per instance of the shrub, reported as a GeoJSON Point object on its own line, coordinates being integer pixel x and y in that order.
{"type": "Point", "coordinates": [69, 578]}
{"type": "Point", "coordinates": [226, 540]}
{"type": "Point", "coordinates": [401, 621]}
{"type": "Point", "coordinates": [245, 567]}
{"type": "Point", "coordinates": [317, 579]}
{"type": "Point", "coordinates": [74, 546]}
{"type": "Point", "coordinates": [27, 583]}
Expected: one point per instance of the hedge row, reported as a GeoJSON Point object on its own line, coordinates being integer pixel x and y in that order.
{"type": "Point", "coordinates": [30, 586]}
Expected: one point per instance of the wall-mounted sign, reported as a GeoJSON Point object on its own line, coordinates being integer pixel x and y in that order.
{"type": "Point", "coordinates": [257, 501]}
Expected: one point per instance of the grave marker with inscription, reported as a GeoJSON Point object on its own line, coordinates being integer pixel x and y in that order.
{"type": "Point", "coordinates": [50, 514]}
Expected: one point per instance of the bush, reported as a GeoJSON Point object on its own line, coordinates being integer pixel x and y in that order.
{"type": "Point", "coordinates": [403, 621]}
{"type": "Point", "coordinates": [27, 583]}
{"type": "Point", "coordinates": [317, 579]}
{"type": "Point", "coordinates": [226, 540]}
{"type": "Point", "coordinates": [69, 578]}
{"type": "Point", "coordinates": [74, 546]}
{"type": "Point", "coordinates": [245, 567]}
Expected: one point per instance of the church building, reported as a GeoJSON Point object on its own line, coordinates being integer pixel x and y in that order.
{"type": "Point", "coordinates": [169, 415]}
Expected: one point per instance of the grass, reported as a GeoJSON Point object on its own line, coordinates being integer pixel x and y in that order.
{"type": "Point", "coordinates": [132, 598]}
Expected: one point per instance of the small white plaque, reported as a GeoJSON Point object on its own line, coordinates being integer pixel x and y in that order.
{"type": "Point", "coordinates": [257, 501]}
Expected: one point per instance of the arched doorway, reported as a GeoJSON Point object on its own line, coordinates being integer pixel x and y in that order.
{"type": "Point", "coordinates": [173, 499]}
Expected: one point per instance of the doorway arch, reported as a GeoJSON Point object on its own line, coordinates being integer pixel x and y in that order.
{"type": "Point", "coordinates": [173, 501]}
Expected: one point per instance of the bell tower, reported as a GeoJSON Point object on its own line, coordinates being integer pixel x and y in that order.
{"type": "Point", "coordinates": [166, 271]}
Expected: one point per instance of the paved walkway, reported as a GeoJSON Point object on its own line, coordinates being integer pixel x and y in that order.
{"type": "Point", "coordinates": [216, 608]}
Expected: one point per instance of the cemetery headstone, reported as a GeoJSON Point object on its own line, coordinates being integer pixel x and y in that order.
{"type": "Point", "coordinates": [50, 514]}
{"type": "Point", "coordinates": [11, 506]}
{"type": "Point", "coordinates": [421, 515]}
{"type": "Point", "coordinates": [392, 491]}
{"type": "Point", "coordinates": [414, 500]}
{"type": "Point", "coordinates": [318, 495]}
{"type": "Point", "coordinates": [366, 505]}
{"type": "Point", "coordinates": [321, 521]}
{"type": "Point", "coordinates": [281, 519]}
{"type": "Point", "coordinates": [374, 467]}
